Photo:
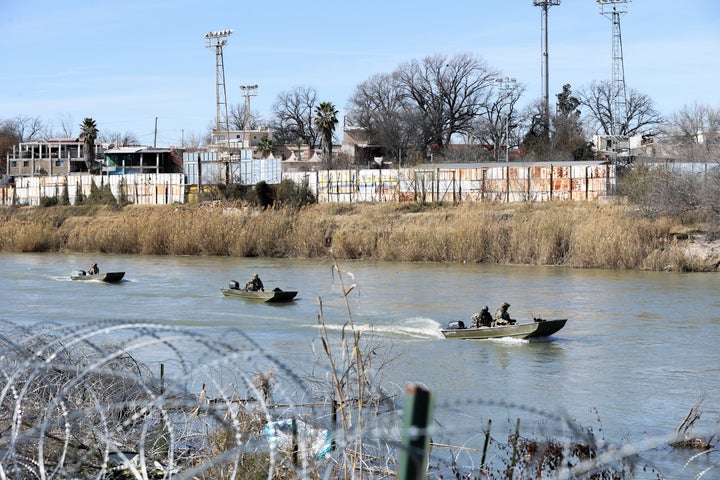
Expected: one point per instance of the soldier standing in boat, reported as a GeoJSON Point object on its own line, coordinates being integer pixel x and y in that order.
{"type": "Point", "coordinates": [255, 284]}
{"type": "Point", "coordinates": [502, 317]}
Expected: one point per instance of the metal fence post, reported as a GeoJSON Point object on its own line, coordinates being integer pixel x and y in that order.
{"type": "Point", "coordinates": [414, 452]}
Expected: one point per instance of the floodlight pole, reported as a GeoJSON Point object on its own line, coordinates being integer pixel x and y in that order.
{"type": "Point", "coordinates": [545, 4]}
{"type": "Point", "coordinates": [217, 41]}
{"type": "Point", "coordinates": [613, 9]}
{"type": "Point", "coordinates": [507, 84]}
{"type": "Point", "coordinates": [248, 91]}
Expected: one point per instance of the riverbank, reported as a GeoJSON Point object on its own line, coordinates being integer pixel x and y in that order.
{"type": "Point", "coordinates": [573, 234]}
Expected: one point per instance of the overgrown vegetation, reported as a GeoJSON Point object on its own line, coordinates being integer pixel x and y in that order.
{"type": "Point", "coordinates": [285, 194]}
{"type": "Point", "coordinates": [566, 234]}
{"type": "Point", "coordinates": [663, 191]}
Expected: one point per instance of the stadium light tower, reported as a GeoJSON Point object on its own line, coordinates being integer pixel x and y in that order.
{"type": "Point", "coordinates": [613, 9]}
{"type": "Point", "coordinates": [217, 41]}
{"type": "Point", "coordinates": [545, 4]}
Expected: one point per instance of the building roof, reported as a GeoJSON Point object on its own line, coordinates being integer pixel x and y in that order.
{"type": "Point", "coordinates": [124, 150]}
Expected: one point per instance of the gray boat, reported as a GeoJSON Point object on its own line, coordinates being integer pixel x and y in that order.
{"type": "Point", "coordinates": [108, 277]}
{"type": "Point", "coordinates": [275, 295]}
{"type": "Point", "coordinates": [538, 328]}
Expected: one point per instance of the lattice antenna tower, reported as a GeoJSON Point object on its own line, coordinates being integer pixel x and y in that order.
{"type": "Point", "coordinates": [545, 5]}
{"type": "Point", "coordinates": [217, 41]}
{"type": "Point", "coordinates": [614, 9]}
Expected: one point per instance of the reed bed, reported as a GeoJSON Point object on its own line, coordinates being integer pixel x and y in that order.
{"type": "Point", "coordinates": [585, 235]}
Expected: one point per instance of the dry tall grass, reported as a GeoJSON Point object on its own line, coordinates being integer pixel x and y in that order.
{"type": "Point", "coordinates": [568, 234]}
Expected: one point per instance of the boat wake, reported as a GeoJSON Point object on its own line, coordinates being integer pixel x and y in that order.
{"type": "Point", "coordinates": [416, 327]}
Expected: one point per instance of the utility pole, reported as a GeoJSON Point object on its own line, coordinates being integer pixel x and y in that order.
{"type": "Point", "coordinates": [545, 5]}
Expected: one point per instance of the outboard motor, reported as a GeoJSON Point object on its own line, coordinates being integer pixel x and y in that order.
{"type": "Point", "coordinates": [234, 285]}
{"type": "Point", "coordinates": [459, 325]}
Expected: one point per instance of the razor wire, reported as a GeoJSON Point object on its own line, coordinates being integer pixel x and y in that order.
{"type": "Point", "coordinates": [140, 400]}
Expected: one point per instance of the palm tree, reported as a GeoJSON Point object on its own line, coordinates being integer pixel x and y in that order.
{"type": "Point", "coordinates": [89, 132]}
{"type": "Point", "coordinates": [325, 121]}
{"type": "Point", "coordinates": [264, 147]}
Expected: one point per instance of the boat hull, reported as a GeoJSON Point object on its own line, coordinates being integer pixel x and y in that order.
{"type": "Point", "coordinates": [524, 331]}
{"type": "Point", "coordinates": [108, 277]}
{"type": "Point", "coordinates": [268, 296]}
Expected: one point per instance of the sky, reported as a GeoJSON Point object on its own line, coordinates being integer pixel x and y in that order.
{"type": "Point", "coordinates": [144, 67]}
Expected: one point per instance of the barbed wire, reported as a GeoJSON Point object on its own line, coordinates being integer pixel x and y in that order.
{"type": "Point", "coordinates": [86, 401]}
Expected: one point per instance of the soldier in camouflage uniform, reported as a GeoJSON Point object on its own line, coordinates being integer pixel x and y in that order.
{"type": "Point", "coordinates": [502, 317]}
{"type": "Point", "coordinates": [482, 319]}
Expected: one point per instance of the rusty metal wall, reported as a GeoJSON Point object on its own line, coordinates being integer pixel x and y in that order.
{"type": "Point", "coordinates": [535, 182]}
{"type": "Point", "coordinates": [140, 189]}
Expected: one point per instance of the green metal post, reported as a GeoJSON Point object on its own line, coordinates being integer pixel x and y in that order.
{"type": "Point", "coordinates": [415, 437]}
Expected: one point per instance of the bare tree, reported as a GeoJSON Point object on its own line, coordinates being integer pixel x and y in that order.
{"type": "Point", "coordinates": [695, 132]}
{"type": "Point", "coordinates": [498, 119]}
{"type": "Point", "coordinates": [117, 138]}
{"type": "Point", "coordinates": [67, 125]}
{"type": "Point", "coordinates": [449, 92]}
{"type": "Point", "coordinates": [27, 129]}
{"type": "Point", "coordinates": [377, 106]}
{"type": "Point", "coordinates": [423, 103]}
{"type": "Point", "coordinates": [293, 117]}
{"type": "Point", "coordinates": [194, 140]}
{"type": "Point", "coordinates": [641, 114]}
{"type": "Point", "coordinates": [241, 119]}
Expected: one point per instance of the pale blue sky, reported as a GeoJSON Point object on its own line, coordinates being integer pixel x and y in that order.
{"type": "Point", "coordinates": [126, 63]}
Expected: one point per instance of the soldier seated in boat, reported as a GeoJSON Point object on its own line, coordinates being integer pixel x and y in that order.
{"type": "Point", "coordinates": [502, 317]}
{"type": "Point", "coordinates": [255, 285]}
{"type": "Point", "coordinates": [482, 319]}
{"type": "Point", "coordinates": [94, 270]}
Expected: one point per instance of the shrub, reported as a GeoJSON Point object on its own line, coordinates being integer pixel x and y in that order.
{"type": "Point", "coordinates": [290, 194]}
{"type": "Point", "coordinates": [48, 201]}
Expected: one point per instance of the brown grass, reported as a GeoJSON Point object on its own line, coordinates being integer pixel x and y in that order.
{"type": "Point", "coordinates": [569, 234]}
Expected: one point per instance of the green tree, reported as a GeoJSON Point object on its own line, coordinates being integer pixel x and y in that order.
{"type": "Point", "coordinates": [265, 147]}
{"type": "Point", "coordinates": [291, 194]}
{"type": "Point", "coordinates": [567, 135]}
{"type": "Point", "coordinates": [101, 195]}
{"type": "Point", "coordinates": [326, 120]}
{"type": "Point", "coordinates": [89, 132]}
{"type": "Point", "coordinates": [264, 194]}
{"type": "Point", "coordinates": [122, 195]}
{"type": "Point", "coordinates": [65, 196]}
{"type": "Point", "coordinates": [79, 197]}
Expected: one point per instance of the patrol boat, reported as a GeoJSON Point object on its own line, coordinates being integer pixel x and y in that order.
{"type": "Point", "coordinates": [524, 331]}
{"type": "Point", "coordinates": [275, 295]}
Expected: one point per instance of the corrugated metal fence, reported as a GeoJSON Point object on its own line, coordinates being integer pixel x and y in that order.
{"type": "Point", "coordinates": [515, 182]}
{"type": "Point", "coordinates": [140, 189]}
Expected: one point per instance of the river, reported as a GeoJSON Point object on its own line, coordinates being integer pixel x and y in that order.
{"type": "Point", "coordinates": [640, 349]}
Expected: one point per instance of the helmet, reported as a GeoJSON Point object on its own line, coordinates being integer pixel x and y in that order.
{"type": "Point", "coordinates": [485, 308]}
{"type": "Point", "coordinates": [505, 304]}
